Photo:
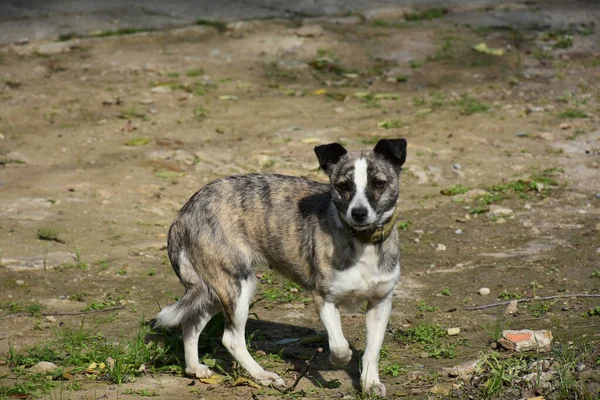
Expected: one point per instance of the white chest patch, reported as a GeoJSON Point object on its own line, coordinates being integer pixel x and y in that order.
{"type": "Point", "coordinates": [363, 280]}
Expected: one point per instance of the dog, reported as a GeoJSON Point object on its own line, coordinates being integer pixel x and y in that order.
{"type": "Point", "coordinates": [337, 240]}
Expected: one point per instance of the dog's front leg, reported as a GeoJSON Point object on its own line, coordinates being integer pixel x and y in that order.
{"type": "Point", "coordinates": [339, 348]}
{"type": "Point", "coordinates": [378, 314]}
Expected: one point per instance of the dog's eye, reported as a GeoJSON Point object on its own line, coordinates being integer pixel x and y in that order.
{"type": "Point", "coordinates": [343, 187]}
{"type": "Point", "coordinates": [379, 184]}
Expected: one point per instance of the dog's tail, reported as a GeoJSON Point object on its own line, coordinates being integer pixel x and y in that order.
{"type": "Point", "coordinates": [191, 305]}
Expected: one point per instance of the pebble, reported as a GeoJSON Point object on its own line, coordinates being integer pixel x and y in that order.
{"type": "Point", "coordinates": [161, 89]}
{"type": "Point", "coordinates": [20, 282]}
{"type": "Point", "coordinates": [464, 370]}
{"type": "Point", "coordinates": [565, 125]}
{"type": "Point", "coordinates": [453, 331]}
{"type": "Point", "coordinates": [521, 134]}
{"type": "Point", "coordinates": [484, 291]}
{"type": "Point", "coordinates": [440, 247]}
{"type": "Point", "coordinates": [499, 211]}
{"type": "Point", "coordinates": [50, 318]}
{"type": "Point", "coordinates": [417, 240]}
{"type": "Point", "coordinates": [458, 231]}
{"type": "Point", "coordinates": [43, 367]}
{"type": "Point", "coordinates": [527, 206]}
{"type": "Point", "coordinates": [457, 166]}
{"type": "Point", "coordinates": [512, 308]}
{"type": "Point", "coordinates": [598, 195]}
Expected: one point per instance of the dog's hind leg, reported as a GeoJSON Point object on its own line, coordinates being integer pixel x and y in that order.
{"type": "Point", "coordinates": [234, 336]}
{"type": "Point", "coordinates": [192, 328]}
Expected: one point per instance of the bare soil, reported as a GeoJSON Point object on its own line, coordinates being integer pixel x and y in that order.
{"type": "Point", "coordinates": [257, 97]}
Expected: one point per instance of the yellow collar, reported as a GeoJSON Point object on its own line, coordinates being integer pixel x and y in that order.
{"type": "Point", "coordinates": [378, 235]}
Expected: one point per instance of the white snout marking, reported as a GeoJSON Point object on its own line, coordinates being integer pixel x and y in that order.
{"type": "Point", "coordinates": [360, 199]}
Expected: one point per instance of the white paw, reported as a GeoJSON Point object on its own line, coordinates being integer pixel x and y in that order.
{"type": "Point", "coordinates": [199, 371]}
{"type": "Point", "coordinates": [270, 379]}
{"type": "Point", "coordinates": [375, 388]}
{"type": "Point", "coordinates": [340, 358]}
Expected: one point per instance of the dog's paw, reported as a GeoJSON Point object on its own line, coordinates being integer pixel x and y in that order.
{"type": "Point", "coordinates": [199, 371]}
{"type": "Point", "coordinates": [375, 388]}
{"type": "Point", "coordinates": [340, 358]}
{"type": "Point", "coordinates": [270, 379]}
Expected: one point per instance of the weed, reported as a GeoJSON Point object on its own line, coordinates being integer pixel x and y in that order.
{"type": "Point", "coordinates": [427, 15]}
{"type": "Point", "coordinates": [446, 292]}
{"type": "Point", "coordinates": [173, 75]}
{"type": "Point", "coordinates": [478, 210]}
{"type": "Point", "coordinates": [393, 370]}
{"type": "Point", "coordinates": [542, 308]}
{"type": "Point", "coordinates": [49, 234]}
{"type": "Point", "coordinates": [423, 306]}
{"type": "Point", "coordinates": [63, 37]}
{"type": "Point", "coordinates": [500, 372]}
{"type": "Point", "coordinates": [122, 32]}
{"type": "Point", "coordinates": [34, 308]}
{"type": "Point", "coordinates": [423, 334]}
{"type": "Point", "coordinates": [285, 294]}
{"type": "Point", "coordinates": [220, 26]}
{"type": "Point", "coordinates": [111, 300]}
{"type": "Point", "coordinates": [200, 113]}
{"type": "Point", "coordinates": [195, 72]}
{"type": "Point", "coordinates": [595, 274]}
{"type": "Point", "coordinates": [563, 42]}
{"type": "Point", "coordinates": [567, 359]}
{"type": "Point", "coordinates": [137, 142]}
{"type": "Point", "coordinates": [471, 105]}
{"type": "Point", "coordinates": [506, 295]}
{"type": "Point", "coordinates": [141, 392]}
{"type": "Point", "coordinates": [370, 139]}
{"type": "Point", "coordinates": [404, 225]}
{"type": "Point", "coordinates": [592, 312]}
{"type": "Point", "coordinates": [496, 328]}
{"type": "Point", "coordinates": [132, 114]}
{"type": "Point", "coordinates": [391, 124]}
{"type": "Point", "coordinates": [573, 113]}
{"type": "Point", "coordinates": [454, 190]}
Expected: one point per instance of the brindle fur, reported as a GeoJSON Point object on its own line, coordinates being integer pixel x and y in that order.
{"type": "Point", "coordinates": [234, 224]}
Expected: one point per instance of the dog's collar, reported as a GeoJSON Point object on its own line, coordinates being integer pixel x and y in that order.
{"type": "Point", "coordinates": [377, 235]}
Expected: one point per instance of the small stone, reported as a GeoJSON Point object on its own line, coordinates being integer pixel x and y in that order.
{"type": "Point", "coordinates": [458, 231]}
{"type": "Point", "coordinates": [499, 211]}
{"type": "Point", "coordinates": [463, 371]}
{"type": "Point", "coordinates": [565, 125]}
{"type": "Point", "coordinates": [260, 353]}
{"type": "Point", "coordinates": [440, 247]}
{"type": "Point", "coordinates": [457, 166]}
{"type": "Point", "coordinates": [43, 367]}
{"type": "Point", "coordinates": [293, 290]}
{"type": "Point", "coordinates": [147, 101]}
{"type": "Point", "coordinates": [310, 31]}
{"type": "Point", "coordinates": [56, 47]}
{"type": "Point", "coordinates": [527, 206]}
{"type": "Point", "coordinates": [161, 89]}
{"type": "Point", "coordinates": [20, 282]}
{"type": "Point", "coordinates": [443, 389]}
{"type": "Point", "coordinates": [598, 195]}
{"type": "Point", "coordinates": [50, 318]}
{"type": "Point", "coordinates": [453, 331]}
{"type": "Point", "coordinates": [424, 354]}
{"type": "Point", "coordinates": [512, 308]}
{"type": "Point", "coordinates": [539, 187]}
{"type": "Point", "coordinates": [501, 221]}
{"type": "Point", "coordinates": [417, 240]}
{"type": "Point", "coordinates": [521, 134]}
{"type": "Point", "coordinates": [545, 135]}
{"type": "Point", "coordinates": [484, 291]}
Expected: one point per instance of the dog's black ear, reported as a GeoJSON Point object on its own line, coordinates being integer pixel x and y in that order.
{"type": "Point", "coordinates": [393, 150]}
{"type": "Point", "coordinates": [329, 155]}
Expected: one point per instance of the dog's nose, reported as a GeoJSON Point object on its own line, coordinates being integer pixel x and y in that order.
{"type": "Point", "coordinates": [359, 214]}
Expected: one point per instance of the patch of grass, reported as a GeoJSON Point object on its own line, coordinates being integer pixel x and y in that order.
{"type": "Point", "coordinates": [394, 370]}
{"type": "Point", "coordinates": [595, 274]}
{"type": "Point", "coordinates": [496, 328]}
{"type": "Point", "coordinates": [506, 295]}
{"type": "Point", "coordinates": [122, 32]}
{"type": "Point", "coordinates": [63, 37]}
{"type": "Point", "coordinates": [423, 334]}
{"type": "Point", "coordinates": [391, 124]}
{"type": "Point", "coordinates": [563, 42]}
{"type": "Point", "coordinates": [200, 113]}
{"type": "Point", "coordinates": [593, 312]}
{"type": "Point", "coordinates": [404, 225]}
{"type": "Point", "coordinates": [470, 105]}
{"type": "Point", "coordinates": [426, 15]}
{"type": "Point", "coordinates": [326, 63]}
{"type": "Point", "coordinates": [218, 25]}
{"type": "Point", "coordinates": [541, 307]}
{"type": "Point", "coordinates": [573, 113]}
{"type": "Point", "coordinates": [194, 72]}
{"type": "Point", "coordinates": [454, 190]}
{"type": "Point", "coordinates": [500, 373]}
{"type": "Point", "coordinates": [34, 308]}
{"type": "Point", "coordinates": [568, 357]}
{"type": "Point", "coordinates": [111, 300]}
{"type": "Point", "coordinates": [137, 142]}
{"type": "Point", "coordinates": [478, 210]}
{"type": "Point", "coordinates": [370, 139]}
{"type": "Point", "coordinates": [132, 114]}
{"type": "Point", "coordinates": [141, 392]}
{"type": "Point", "coordinates": [286, 294]}
{"type": "Point", "coordinates": [49, 234]}
{"type": "Point", "coordinates": [446, 292]}
{"type": "Point", "coordinates": [423, 306]}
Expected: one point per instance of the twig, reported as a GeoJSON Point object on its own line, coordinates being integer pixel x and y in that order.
{"type": "Point", "coordinates": [503, 303]}
{"type": "Point", "coordinates": [66, 313]}
{"type": "Point", "coordinates": [304, 371]}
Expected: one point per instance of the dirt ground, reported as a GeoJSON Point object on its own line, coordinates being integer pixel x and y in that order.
{"type": "Point", "coordinates": [104, 139]}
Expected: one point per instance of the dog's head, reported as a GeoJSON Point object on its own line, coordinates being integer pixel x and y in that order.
{"type": "Point", "coordinates": [365, 184]}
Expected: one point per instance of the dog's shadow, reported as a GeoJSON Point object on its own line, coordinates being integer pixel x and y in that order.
{"type": "Point", "coordinates": [266, 336]}
{"type": "Point", "coordinates": [298, 352]}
